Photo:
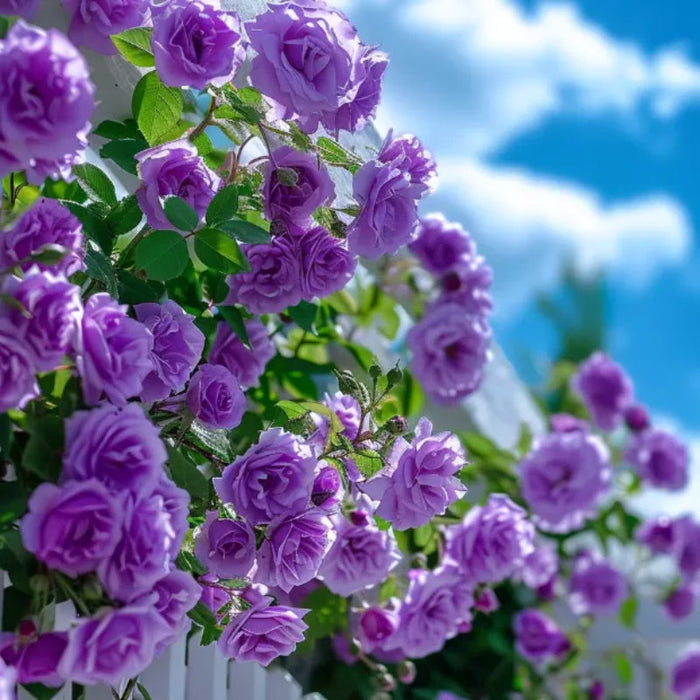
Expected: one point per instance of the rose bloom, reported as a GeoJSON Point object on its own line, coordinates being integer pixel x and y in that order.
{"type": "Point", "coordinates": [450, 349]}
{"type": "Point", "coordinates": [312, 67]}
{"type": "Point", "coordinates": [375, 626]}
{"type": "Point", "coordinates": [540, 566]}
{"type": "Point", "coordinates": [424, 482]}
{"type": "Point", "coordinates": [681, 601]}
{"type": "Point", "coordinates": [263, 632]}
{"type": "Point", "coordinates": [23, 8]}
{"type": "Point", "coordinates": [348, 411]}
{"type": "Point", "coordinates": [436, 603]}
{"type": "Point", "coordinates": [605, 389]}
{"type": "Point", "coordinates": [487, 601]}
{"type": "Point", "coordinates": [686, 547]}
{"type": "Point", "coordinates": [176, 503]}
{"type": "Point", "coordinates": [225, 547]}
{"type": "Point", "coordinates": [469, 287]}
{"type": "Point", "coordinates": [92, 23]}
{"type": "Point", "coordinates": [46, 223]}
{"type": "Point", "coordinates": [492, 541]}
{"type": "Point", "coordinates": [537, 636]}
{"type": "Point", "coordinates": [361, 556]}
{"type": "Point", "coordinates": [246, 363]}
{"type": "Point", "coordinates": [18, 384]}
{"type": "Point", "coordinates": [273, 478]}
{"type": "Point", "coordinates": [196, 43]}
{"type": "Point", "coordinates": [214, 397]}
{"type": "Point", "coordinates": [8, 679]}
{"type": "Point", "coordinates": [143, 553]}
{"type": "Point", "coordinates": [115, 356]}
{"type": "Point", "coordinates": [660, 459]}
{"type": "Point", "coordinates": [685, 676]}
{"type": "Point", "coordinates": [119, 447]}
{"type": "Point", "coordinates": [45, 105]}
{"type": "Point", "coordinates": [172, 598]}
{"type": "Point", "coordinates": [442, 246]}
{"type": "Point", "coordinates": [408, 154]}
{"type": "Point", "coordinates": [637, 418]}
{"type": "Point", "coordinates": [388, 211]}
{"type": "Point", "coordinates": [72, 528]}
{"type": "Point", "coordinates": [117, 643]}
{"type": "Point", "coordinates": [325, 265]}
{"type": "Point", "coordinates": [36, 659]}
{"type": "Point", "coordinates": [177, 348]}
{"type": "Point", "coordinates": [295, 186]}
{"type": "Point", "coordinates": [293, 549]}
{"type": "Point", "coordinates": [49, 318]}
{"type": "Point", "coordinates": [596, 587]}
{"type": "Point", "coordinates": [327, 489]}
{"type": "Point", "coordinates": [174, 169]}
{"type": "Point", "coordinates": [658, 534]}
{"type": "Point", "coordinates": [563, 477]}
{"type": "Point", "coordinates": [273, 283]}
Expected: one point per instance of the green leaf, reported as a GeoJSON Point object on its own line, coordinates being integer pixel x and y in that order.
{"type": "Point", "coordinates": [156, 107]}
{"type": "Point", "coordinates": [144, 692]}
{"type": "Point", "coordinates": [343, 302]}
{"type": "Point", "coordinates": [5, 437]}
{"type": "Point", "coordinates": [628, 612]}
{"type": "Point", "coordinates": [135, 46]}
{"type": "Point", "coordinates": [40, 692]}
{"type": "Point", "coordinates": [13, 502]}
{"type": "Point", "coordinates": [297, 409]}
{"type": "Point", "coordinates": [95, 183]}
{"type": "Point", "coordinates": [92, 217]}
{"type": "Point", "coordinates": [125, 217]}
{"type": "Point", "coordinates": [186, 475]}
{"type": "Point", "coordinates": [219, 251]}
{"type": "Point", "coordinates": [134, 290]}
{"type": "Point", "coordinates": [202, 615]}
{"type": "Point", "coordinates": [223, 206]}
{"type": "Point", "coordinates": [304, 315]}
{"type": "Point", "coordinates": [123, 153]}
{"type": "Point", "coordinates": [234, 318]}
{"type": "Point", "coordinates": [180, 214]}
{"type": "Point", "coordinates": [110, 129]}
{"type": "Point", "coordinates": [99, 268]}
{"type": "Point", "coordinates": [623, 668]}
{"type": "Point", "coordinates": [368, 462]}
{"type": "Point", "coordinates": [4, 26]}
{"type": "Point", "coordinates": [42, 455]}
{"type": "Point", "coordinates": [15, 559]}
{"type": "Point", "coordinates": [334, 154]}
{"type": "Point", "coordinates": [246, 232]}
{"type": "Point", "coordinates": [327, 614]}
{"type": "Point", "coordinates": [162, 255]}
{"type": "Point", "coordinates": [214, 441]}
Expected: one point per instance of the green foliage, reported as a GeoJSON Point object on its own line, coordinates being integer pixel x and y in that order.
{"type": "Point", "coordinates": [135, 46]}
{"type": "Point", "coordinates": [218, 251]}
{"type": "Point", "coordinates": [162, 255]}
{"type": "Point", "coordinates": [156, 107]}
{"type": "Point", "coordinates": [180, 214]}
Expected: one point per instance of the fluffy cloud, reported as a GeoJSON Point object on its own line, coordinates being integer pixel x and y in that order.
{"type": "Point", "coordinates": [528, 226]}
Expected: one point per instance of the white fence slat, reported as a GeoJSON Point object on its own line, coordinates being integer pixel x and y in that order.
{"type": "Point", "coordinates": [281, 686]}
{"type": "Point", "coordinates": [207, 671]}
{"type": "Point", "coordinates": [98, 692]}
{"type": "Point", "coordinates": [165, 677]}
{"type": "Point", "coordinates": [246, 682]}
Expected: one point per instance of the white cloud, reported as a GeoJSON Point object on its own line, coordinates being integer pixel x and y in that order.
{"type": "Point", "coordinates": [528, 226]}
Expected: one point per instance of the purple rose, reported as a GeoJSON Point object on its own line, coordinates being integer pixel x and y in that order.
{"type": "Point", "coordinates": [487, 601]}
{"type": "Point", "coordinates": [214, 397]}
{"type": "Point", "coordinates": [685, 676]}
{"type": "Point", "coordinates": [450, 349]}
{"type": "Point", "coordinates": [408, 154]}
{"type": "Point", "coordinates": [47, 99]}
{"type": "Point", "coordinates": [273, 478]}
{"type": "Point", "coordinates": [117, 643]}
{"type": "Point", "coordinates": [563, 477]}
{"type": "Point", "coordinates": [596, 587]}
{"type": "Point", "coordinates": [245, 363]}
{"type": "Point", "coordinates": [680, 602]}
{"type": "Point", "coordinates": [226, 547]}
{"type": "Point", "coordinates": [18, 384]}
{"type": "Point", "coordinates": [388, 211]}
{"type": "Point", "coordinates": [424, 482]}
{"type": "Point", "coordinates": [273, 283]}
{"type": "Point", "coordinates": [565, 423]}
{"type": "Point", "coordinates": [686, 548]}
{"type": "Point", "coordinates": [213, 596]}
{"type": "Point", "coordinates": [46, 223]}
{"type": "Point", "coordinates": [492, 541]}
{"type": "Point", "coordinates": [312, 67]}
{"type": "Point", "coordinates": [325, 265]}
{"type": "Point", "coordinates": [119, 447]}
{"type": "Point", "coordinates": [361, 556]}
{"type": "Point", "coordinates": [72, 528]}
{"type": "Point", "coordinates": [469, 287]}
{"type": "Point", "coordinates": [8, 679]}
{"type": "Point", "coordinates": [35, 659]}
{"type": "Point", "coordinates": [540, 566]}
{"type": "Point", "coordinates": [349, 413]}
{"type": "Point", "coordinates": [177, 348]}
{"type": "Point", "coordinates": [637, 418]}
{"type": "Point", "coordinates": [327, 488]}
{"type": "Point", "coordinates": [143, 553]}
{"type": "Point", "coordinates": [196, 43]}
{"type": "Point", "coordinates": [293, 549]}
{"type": "Point", "coordinates": [660, 459]}
{"type": "Point", "coordinates": [658, 534]}
{"type": "Point", "coordinates": [115, 357]}
{"type": "Point", "coordinates": [442, 246]}
{"type": "Point", "coordinates": [172, 598]}
{"type": "Point", "coordinates": [436, 603]}
{"type": "Point", "coordinates": [23, 8]}
{"type": "Point", "coordinates": [605, 389]}
{"type": "Point", "coordinates": [537, 636]}
{"type": "Point", "coordinates": [375, 627]}
{"type": "Point", "coordinates": [92, 23]}
{"type": "Point", "coordinates": [49, 321]}
{"type": "Point", "coordinates": [295, 186]}
{"type": "Point", "coordinates": [174, 169]}
{"type": "Point", "coordinates": [176, 503]}
{"type": "Point", "coordinates": [263, 632]}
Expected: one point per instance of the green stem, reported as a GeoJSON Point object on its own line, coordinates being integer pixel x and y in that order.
{"type": "Point", "coordinates": [129, 688]}
{"type": "Point", "coordinates": [199, 129]}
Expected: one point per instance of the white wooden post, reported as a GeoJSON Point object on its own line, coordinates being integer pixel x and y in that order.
{"type": "Point", "coordinates": [165, 677]}
{"type": "Point", "coordinates": [281, 686]}
{"type": "Point", "coordinates": [246, 682]}
{"type": "Point", "coordinates": [207, 671]}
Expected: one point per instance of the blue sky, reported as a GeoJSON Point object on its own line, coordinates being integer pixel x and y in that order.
{"type": "Point", "coordinates": [565, 130]}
